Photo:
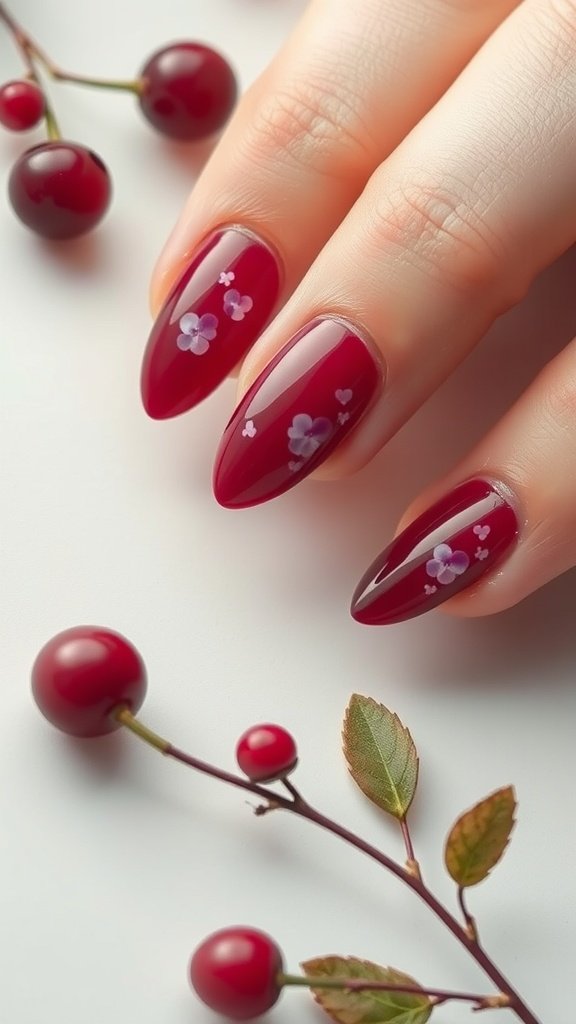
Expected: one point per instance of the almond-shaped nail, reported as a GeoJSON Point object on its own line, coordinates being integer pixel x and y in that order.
{"type": "Point", "coordinates": [445, 550]}
{"type": "Point", "coordinates": [212, 317]}
{"type": "Point", "coordinates": [303, 404]}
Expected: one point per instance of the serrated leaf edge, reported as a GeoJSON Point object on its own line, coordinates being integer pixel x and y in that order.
{"type": "Point", "coordinates": [465, 814]}
{"type": "Point", "coordinates": [401, 813]}
{"type": "Point", "coordinates": [317, 994]}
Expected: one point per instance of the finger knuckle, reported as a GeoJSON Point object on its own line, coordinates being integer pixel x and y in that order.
{"type": "Point", "coordinates": [308, 123]}
{"type": "Point", "coordinates": [440, 233]}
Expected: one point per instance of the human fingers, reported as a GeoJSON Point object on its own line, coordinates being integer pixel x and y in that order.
{"type": "Point", "coordinates": [450, 231]}
{"type": "Point", "coordinates": [501, 525]}
{"type": "Point", "coordinates": [297, 153]}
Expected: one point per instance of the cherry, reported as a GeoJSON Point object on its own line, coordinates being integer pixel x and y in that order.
{"type": "Point", "coordinates": [235, 971]}
{"type": "Point", "coordinates": [21, 105]}
{"type": "Point", "coordinates": [82, 674]}
{"type": "Point", "coordinates": [59, 189]}
{"type": "Point", "coordinates": [266, 752]}
{"type": "Point", "coordinates": [187, 90]}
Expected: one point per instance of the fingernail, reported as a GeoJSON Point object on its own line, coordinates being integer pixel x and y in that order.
{"type": "Point", "coordinates": [300, 408]}
{"type": "Point", "coordinates": [443, 551]}
{"type": "Point", "coordinates": [211, 318]}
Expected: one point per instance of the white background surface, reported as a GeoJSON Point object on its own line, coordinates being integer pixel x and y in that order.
{"type": "Point", "coordinates": [114, 863]}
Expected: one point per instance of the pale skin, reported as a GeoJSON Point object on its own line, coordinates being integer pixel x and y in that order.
{"type": "Point", "coordinates": [414, 163]}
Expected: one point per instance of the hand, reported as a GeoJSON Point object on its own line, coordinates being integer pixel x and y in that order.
{"type": "Point", "coordinates": [392, 183]}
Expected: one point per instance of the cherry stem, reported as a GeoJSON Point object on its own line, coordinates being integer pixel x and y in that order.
{"type": "Point", "coordinates": [29, 51]}
{"type": "Point", "coordinates": [436, 995]}
{"type": "Point", "coordinates": [298, 805]}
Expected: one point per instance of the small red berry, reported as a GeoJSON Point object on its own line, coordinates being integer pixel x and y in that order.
{"type": "Point", "coordinates": [187, 91]}
{"type": "Point", "coordinates": [82, 674]}
{"type": "Point", "coordinates": [22, 105]}
{"type": "Point", "coordinates": [266, 752]}
{"type": "Point", "coordinates": [235, 971]}
{"type": "Point", "coordinates": [59, 189]}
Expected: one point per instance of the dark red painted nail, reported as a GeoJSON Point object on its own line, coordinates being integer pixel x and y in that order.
{"type": "Point", "coordinates": [211, 318]}
{"type": "Point", "coordinates": [442, 552]}
{"type": "Point", "coordinates": [301, 406]}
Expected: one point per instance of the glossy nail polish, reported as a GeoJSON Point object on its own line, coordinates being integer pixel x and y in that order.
{"type": "Point", "coordinates": [302, 405]}
{"type": "Point", "coordinates": [443, 551]}
{"type": "Point", "coordinates": [211, 318]}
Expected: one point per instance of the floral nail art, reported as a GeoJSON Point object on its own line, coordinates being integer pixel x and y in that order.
{"type": "Point", "coordinates": [235, 305]}
{"type": "Point", "coordinates": [481, 531]}
{"type": "Point", "coordinates": [249, 429]}
{"type": "Point", "coordinates": [294, 466]}
{"type": "Point", "coordinates": [226, 277]}
{"type": "Point", "coordinates": [197, 332]}
{"type": "Point", "coordinates": [343, 417]}
{"type": "Point", "coordinates": [307, 434]}
{"type": "Point", "coordinates": [446, 564]}
{"type": "Point", "coordinates": [429, 589]}
{"type": "Point", "coordinates": [481, 553]}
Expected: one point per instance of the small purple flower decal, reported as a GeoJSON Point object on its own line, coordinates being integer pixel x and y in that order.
{"type": "Point", "coordinates": [446, 564]}
{"type": "Point", "coordinates": [295, 466]}
{"type": "Point", "coordinates": [429, 590]}
{"type": "Point", "coordinates": [249, 429]}
{"type": "Point", "coordinates": [343, 395]}
{"type": "Point", "coordinates": [481, 553]}
{"type": "Point", "coordinates": [197, 332]}
{"type": "Point", "coordinates": [226, 277]}
{"type": "Point", "coordinates": [307, 434]}
{"type": "Point", "coordinates": [343, 417]}
{"type": "Point", "coordinates": [481, 531]}
{"type": "Point", "coordinates": [235, 305]}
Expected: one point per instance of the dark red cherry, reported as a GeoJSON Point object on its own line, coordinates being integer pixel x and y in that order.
{"type": "Point", "coordinates": [59, 189]}
{"type": "Point", "coordinates": [188, 91]}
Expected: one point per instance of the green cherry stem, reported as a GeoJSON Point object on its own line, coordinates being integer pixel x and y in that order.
{"type": "Point", "coordinates": [29, 51]}
{"type": "Point", "coordinates": [298, 805]}
{"type": "Point", "coordinates": [119, 85]}
{"type": "Point", "coordinates": [30, 48]}
{"type": "Point", "coordinates": [436, 995]}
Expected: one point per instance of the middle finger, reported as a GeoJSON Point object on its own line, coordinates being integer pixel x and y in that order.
{"type": "Point", "coordinates": [450, 232]}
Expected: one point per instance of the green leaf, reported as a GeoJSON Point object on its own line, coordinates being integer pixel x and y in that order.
{"type": "Point", "coordinates": [381, 755]}
{"type": "Point", "coordinates": [479, 837]}
{"type": "Point", "coordinates": [375, 1007]}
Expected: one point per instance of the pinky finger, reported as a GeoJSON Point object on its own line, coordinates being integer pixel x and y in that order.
{"type": "Point", "coordinates": [500, 526]}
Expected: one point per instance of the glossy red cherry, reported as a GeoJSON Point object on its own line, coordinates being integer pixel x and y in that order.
{"type": "Point", "coordinates": [59, 189]}
{"type": "Point", "coordinates": [235, 972]}
{"type": "Point", "coordinates": [22, 105]}
{"type": "Point", "coordinates": [266, 752]}
{"type": "Point", "coordinates": [188, 91]}
{"type": "Point", "coordinates": [82, 674]}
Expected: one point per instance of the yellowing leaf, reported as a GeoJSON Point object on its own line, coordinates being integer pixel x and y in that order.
{"type": "Point", "coordinates": [381, 755]}
{"type": "Point", "coordinates": [479, 837]}
{"type": "Point", "coordinates": [367, 1007]}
